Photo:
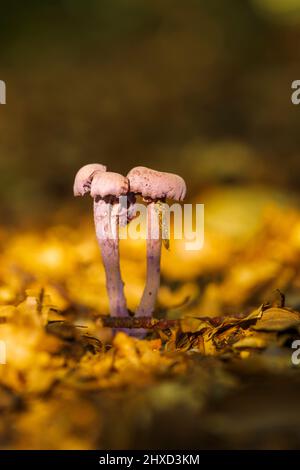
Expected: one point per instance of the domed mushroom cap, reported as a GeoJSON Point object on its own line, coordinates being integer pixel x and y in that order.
{"type": "Point", "coordinates": [109, 184]}
{"type": "Point", "coordinates": [84, 176]}
{"type": "Point", "coordinates": [156, 184]}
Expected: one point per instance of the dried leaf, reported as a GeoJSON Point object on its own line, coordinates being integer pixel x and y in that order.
{"type": "Point", "coordinates": [277, 319]}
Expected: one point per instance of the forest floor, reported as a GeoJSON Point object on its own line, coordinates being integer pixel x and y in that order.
{"type": "Point", "coordinates": [222, 374]}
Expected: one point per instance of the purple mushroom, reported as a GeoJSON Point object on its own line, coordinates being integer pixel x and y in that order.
{"type": "Point", "coordinates": [154, 186]}
{"type": "Point", "coordinates": [84, 176]}
{"type": "Point", "coordinates": [106, 188]}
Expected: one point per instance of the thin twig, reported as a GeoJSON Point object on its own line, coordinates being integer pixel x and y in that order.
{"type": "Point", "coordinates": [138, 322]}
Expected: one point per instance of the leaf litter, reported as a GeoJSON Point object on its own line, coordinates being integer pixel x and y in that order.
{"type": "Point", "coordinates": [214, 371]}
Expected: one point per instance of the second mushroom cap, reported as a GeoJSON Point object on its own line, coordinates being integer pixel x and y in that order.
{"type": "Point", "coordinates": [156, 184]}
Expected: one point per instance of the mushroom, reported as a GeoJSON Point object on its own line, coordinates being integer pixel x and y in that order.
{"type": "Point", "coordinates": [84, 176]}
{"type": "Point", "coordinates": [154, 186]}
{"type": "Point", "coordinates": [106, 189]}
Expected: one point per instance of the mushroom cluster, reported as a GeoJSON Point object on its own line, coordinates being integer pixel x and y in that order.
{"type": "Point", "coordinates": [107, 189]}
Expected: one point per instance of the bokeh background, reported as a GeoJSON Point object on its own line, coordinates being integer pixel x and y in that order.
{"type": "Point", "coordinates": [197, 87]}
{"type": "Point", "coordinates": [202, 88]}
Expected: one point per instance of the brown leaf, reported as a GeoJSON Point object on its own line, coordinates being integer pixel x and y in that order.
{"type": "Point", "coordinates": [277, 319]}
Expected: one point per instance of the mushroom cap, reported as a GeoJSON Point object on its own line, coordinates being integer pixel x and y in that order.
{"type": "Point", "coordinates": [156, 184]}
{"type": "Point", "coordinates": [109, 184]}
{"type": "Point", "coordinates": [84, 176]}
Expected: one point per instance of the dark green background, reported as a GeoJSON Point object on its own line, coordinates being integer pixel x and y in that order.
{"type": "Point", "coordinates": [198, 87]}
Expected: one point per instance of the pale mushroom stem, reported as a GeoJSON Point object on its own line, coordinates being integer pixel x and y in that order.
{"type": "Point", "coordinates": [148, 301]}
{"type": "Point", "coordinates": [106, 225]}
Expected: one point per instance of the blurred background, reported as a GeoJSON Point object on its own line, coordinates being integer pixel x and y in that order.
{"type": "Point", "coordinates": [199, 88]}
{"type": "Point", "coordinates": [202, 88]}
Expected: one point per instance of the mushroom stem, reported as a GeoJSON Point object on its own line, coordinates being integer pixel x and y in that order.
{"type": "Point", "coordinates": [106, 224]}
{"type": "Point", "coordinates": [147, 304]}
